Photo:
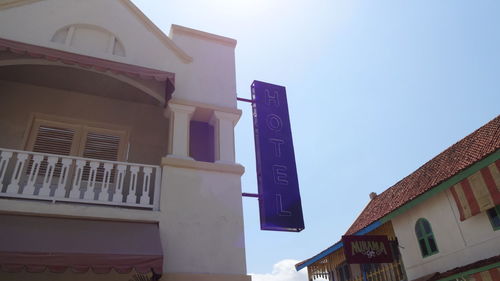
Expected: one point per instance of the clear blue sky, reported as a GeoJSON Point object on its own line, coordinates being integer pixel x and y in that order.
{"type": "Point", "coordinates": [375, 89]}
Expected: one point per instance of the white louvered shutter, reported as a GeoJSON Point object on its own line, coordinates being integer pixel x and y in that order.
{"type": "Point", "coordinates": [102, 146]}
{"type": "Point", "coordinates": [54, 140]}
{"type": "Point", "coordinates": [51, 138]}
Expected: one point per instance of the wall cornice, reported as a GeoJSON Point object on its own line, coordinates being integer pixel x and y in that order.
{"type": "Point", "coordinates": [206, 166]}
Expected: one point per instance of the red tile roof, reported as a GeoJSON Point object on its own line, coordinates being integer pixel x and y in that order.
{"type": "Point", "coordinates": [474, 147]}
{"type": "Point", "coordinates": [448, 163]}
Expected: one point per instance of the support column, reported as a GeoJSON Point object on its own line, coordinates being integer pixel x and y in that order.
{"type": "Point", "coordinates": [180, 118]}
{"type": "Point", "coordinates": [224, 123]}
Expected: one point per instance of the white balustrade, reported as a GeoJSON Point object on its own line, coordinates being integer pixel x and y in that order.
{"type": "Point", "coordinates": [4, 160]}
{"type": "Point", "coordinates": [49, 173]}
{"type": "Point", "coordinates": [104, 195]}
{"type": "Point", "coordinates": [131, 197]}
{"type": "Point", "coordinates": [41, 176]}
{"type": "Point", "coordinates": [118, 196]}
{"type": "Point", "coordinates": [13, 186]}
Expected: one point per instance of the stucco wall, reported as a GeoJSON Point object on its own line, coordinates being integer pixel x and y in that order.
{"type": "Point", "coordinates": [211, 77]}
{"type": "Point", "coordinates": [202, 219]}
{"type": "Point", "coordinates": [203, 63]}
{"type": "Point", "coordinates": [146, 124]}
{"type": "Point", "coordinates": [459, 243]}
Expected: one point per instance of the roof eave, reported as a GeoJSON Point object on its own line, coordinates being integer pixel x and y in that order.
{"type": "Point", "coordinates": [410, 204]}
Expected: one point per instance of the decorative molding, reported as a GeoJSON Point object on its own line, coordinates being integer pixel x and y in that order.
{"type": "Point", "coordinates": [203, 35]}
{"type": "Point", "coordinates": [77, 211]}
{"type": "Point", "coordinates": [206, 106]}
{"type": "Point", "coordinates": [207, 166]}
{"type": "Point", "coordinates": [120, 77]}
{"type": "Point", "coordinates": [233, 117]}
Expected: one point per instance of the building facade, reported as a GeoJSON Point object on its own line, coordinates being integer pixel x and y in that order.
{"type": "Point", "coordinates": [116, 146]}
{"type": "Point", "coordinates": [443, 219]}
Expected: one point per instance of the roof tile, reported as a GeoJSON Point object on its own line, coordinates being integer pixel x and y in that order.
{"type": "Point", "coordinates": [448, 163]}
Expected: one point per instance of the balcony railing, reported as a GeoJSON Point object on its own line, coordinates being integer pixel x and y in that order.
{"type": "Point", "coordinates": [381, 272]}
{"type": "Point", "coordinates": [41, 176]}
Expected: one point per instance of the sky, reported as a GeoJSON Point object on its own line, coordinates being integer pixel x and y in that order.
{"type": "Point", "coordinates": [375, 89]}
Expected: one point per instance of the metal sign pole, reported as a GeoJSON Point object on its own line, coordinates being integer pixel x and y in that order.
{"type": "Point", "coordinates": [245, 194]}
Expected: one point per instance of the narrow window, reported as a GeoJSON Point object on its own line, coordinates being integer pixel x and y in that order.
{"type": "Point", "coordinates": [425, 238]}
{"type": "Point", "coordinates": [494, 215]}
{"type": "Point", "coordinates": [201, 141]}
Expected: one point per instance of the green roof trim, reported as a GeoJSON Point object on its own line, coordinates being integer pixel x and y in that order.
{"type": "Point", "coordinates": [470, 272]}
{"type": "Point", "coordinates": [444, 185]}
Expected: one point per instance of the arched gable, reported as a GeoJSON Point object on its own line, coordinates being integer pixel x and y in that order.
{"type": "Point", "coordinates": [89, 37]}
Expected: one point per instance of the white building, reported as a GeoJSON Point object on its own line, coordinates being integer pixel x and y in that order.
{"type": "Point", "coordinates": [116, 146]}
{"type": "Point", "coordinates": [445, 217]}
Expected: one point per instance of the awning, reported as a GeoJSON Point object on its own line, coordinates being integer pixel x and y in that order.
{"type": "Point", "coordinates": [39, 243]}
{"type": "Point", "coordinates": [479, 192]}
{"type": "Point", "coordinates": [101, 65]}
{"type": "Point", "coordinates": [482, 270]}
{"type": "Point", "coordinates": [487, 275]}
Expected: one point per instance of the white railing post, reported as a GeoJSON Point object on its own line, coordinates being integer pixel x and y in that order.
{"type": "Point", "coordinates": [89, 193]}
{"type": "Point", "coordinates": [104, 195]}
{"type": "Point", "coordinates": [13, 187]}
{"type": "Point", "coordinates": [145, 198]}
{"type": "Point", "coordinates": [49, 173]}
{"type": "Point", "coordinates": [4, 162]}
{"type": "Point", "coordinates": [157, 189]}
{"type": "Point", "coordinates": [77, 180]}
{"type": "Point", "coordinates": [30, 185]}
{"type": "Point", "coordinates": [132, 197]}
{"type": "Point", "coordinates": [120, 178]}
{"type": "Point", "coordinates": [63, 178]}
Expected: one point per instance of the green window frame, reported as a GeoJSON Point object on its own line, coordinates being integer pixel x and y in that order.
{"type": "Point", "coordinates": [425, 238]}
{"type": "Point", "coordinates": [494, 216]}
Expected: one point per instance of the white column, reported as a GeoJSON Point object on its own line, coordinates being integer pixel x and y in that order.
{"type": "Point", "coordinates": [224, 123]}
{"type": "Point", "coordinates": [180, 118]}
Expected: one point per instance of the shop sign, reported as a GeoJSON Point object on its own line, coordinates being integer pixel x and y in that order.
{"type": "Point", "coordinates": [367, 249]}
{"type": "Point", "coordinates": [279, 198]}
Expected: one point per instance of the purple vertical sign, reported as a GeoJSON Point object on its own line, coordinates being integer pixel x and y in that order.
{"type": "Point", "coordinates": [279, 197]}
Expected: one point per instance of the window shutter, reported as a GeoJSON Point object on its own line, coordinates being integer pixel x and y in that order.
{"type": "Point", "coordinates": [72, 139]}
{"type": "Point", "coordinates": [101, 146]}
{"type": "Point", "coordinates": [54, 140]}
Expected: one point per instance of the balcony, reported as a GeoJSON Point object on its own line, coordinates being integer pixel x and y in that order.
{"type": "Point", "coordinates": [367, 272]}
{"type": "Point", "coordinates": [57, 178]}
